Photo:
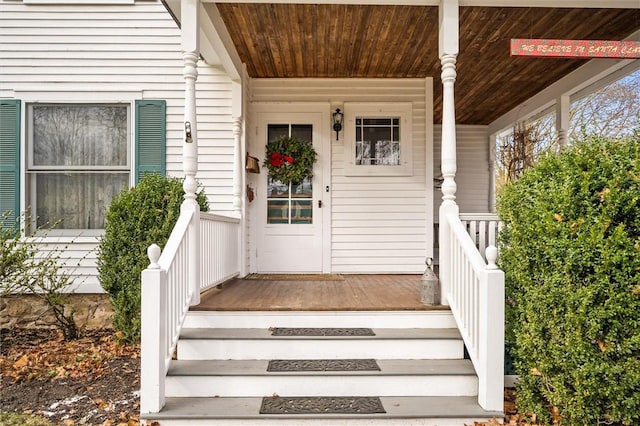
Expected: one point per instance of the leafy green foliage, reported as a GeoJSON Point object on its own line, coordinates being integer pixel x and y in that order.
{"type": "Point", "coordinates": [26, 270]}
{"type": "Point", "coordinates": [571, 255]}
{"type": "Point", "coordinates": [14, 258]}
{"type": "Point", "coordinates": [16, 419]}
{"type": "Point", "coordinates": [289, 159]}
{"type": "Point", "coordinates": [137, 217]}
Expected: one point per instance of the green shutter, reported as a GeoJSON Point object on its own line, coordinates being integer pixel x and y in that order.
{"type": "Point", "coordinates": [151, 131]}
{"type": "Point", "coordinates": [9, 162]}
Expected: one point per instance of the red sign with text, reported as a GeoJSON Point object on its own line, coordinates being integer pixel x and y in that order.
{"type": "Point", "coordinates": [575, 48]}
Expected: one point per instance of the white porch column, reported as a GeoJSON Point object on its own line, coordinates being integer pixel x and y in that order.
{"type": "Point", "coordinates": [448, 52]}
{"type": "Point", "coordinates": [563, 119]}
{"type": "Point", "coordinates": [237, 165]}
{"type": "Point", "coordinates": [191, 54]}
{"type": "Point", "coordinates": [492, 172]}
{"type": "Point", "coordinates": [236, 117]}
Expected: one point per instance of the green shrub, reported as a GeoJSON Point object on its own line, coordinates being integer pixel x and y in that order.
{"type": "Point", "coordinates": [571, 255]}
{"type": "Point", "coordinates": [136, 218]}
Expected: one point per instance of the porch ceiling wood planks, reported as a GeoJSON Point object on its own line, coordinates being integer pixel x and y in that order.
{"type": "Point", "coordinates": [397, 41]}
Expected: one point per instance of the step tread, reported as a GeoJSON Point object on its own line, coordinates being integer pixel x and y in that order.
{"type": "Point", "coordinates": [265, 334]}
{"type": "Point", "coordinates": [400, 367]}
{"type": "Point", "coordinates": [249, 408]}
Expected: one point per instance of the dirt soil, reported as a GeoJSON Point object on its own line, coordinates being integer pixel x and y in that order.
{"type": "Point", "coordinates": [90, 381]}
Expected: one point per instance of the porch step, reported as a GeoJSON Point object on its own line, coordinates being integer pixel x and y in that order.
{"type": "Point", "coordinates": [441, 318]}
{"type": "Point", "coordinates": [220, 376]}
{"type": "Point", "coordinates": [252, 343]}
{"type": "Point", "coordinates": [250, 378]}
{"type": "Point", "coordinates": [425, 410]}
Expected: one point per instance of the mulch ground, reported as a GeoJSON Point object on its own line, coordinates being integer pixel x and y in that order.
{"type": "Point", "coordinates": [91, 381]}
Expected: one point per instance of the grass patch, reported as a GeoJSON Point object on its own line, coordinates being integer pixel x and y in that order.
{"type": "Point", "coordinates": [15, 419]}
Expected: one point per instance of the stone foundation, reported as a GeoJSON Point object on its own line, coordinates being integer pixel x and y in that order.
{"type": "Point", "coordinates": [92, 311]}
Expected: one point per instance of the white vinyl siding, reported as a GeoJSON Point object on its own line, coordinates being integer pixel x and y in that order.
{"type": "Point", "coordinates": [379, 223]}
{"type": "Point", "coordinates": [473, 175]}
{"type": "Point", "coordinates": [117, 53]}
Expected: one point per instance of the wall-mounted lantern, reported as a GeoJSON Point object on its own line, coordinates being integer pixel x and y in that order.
{"type": "Point", "coordinates": [337, 121]}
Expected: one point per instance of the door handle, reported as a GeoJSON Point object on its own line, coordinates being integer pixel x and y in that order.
{"type": "Point", "coordinates": [320, 203]}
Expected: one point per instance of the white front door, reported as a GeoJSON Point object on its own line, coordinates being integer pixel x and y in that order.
{"type": "Point", "coordinates": [290, 216]}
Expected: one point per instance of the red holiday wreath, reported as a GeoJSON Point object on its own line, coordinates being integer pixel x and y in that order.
{"type": "Point", "coordinates": [289, 159]}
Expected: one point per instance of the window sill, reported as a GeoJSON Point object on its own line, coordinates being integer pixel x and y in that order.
{"type": "Point", "coordinates": [88, 2]}
{"type": "Point", "coordinates": [79, 236]}
{"type": "Point", "coordinates": [353, 170]}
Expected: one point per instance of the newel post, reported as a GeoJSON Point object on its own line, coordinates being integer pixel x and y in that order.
{"type": "Point", "coordinates": [491, 342]}
{"type": "Point", "coordinates": [190, 45]}
{"type": "Point", "coordinates": [153, 334]}
{"type": "Point", "coordinates": [448, 52]}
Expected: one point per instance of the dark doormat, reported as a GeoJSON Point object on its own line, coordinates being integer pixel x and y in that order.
{"type": "Point", "coordinates": [330, 332]}
{"type": "Point", "coordinates": [323, 365]}
{"type": "Point", "coordinates": [322, 405]}
{"type": "Point", "coordinates": [295, 277]}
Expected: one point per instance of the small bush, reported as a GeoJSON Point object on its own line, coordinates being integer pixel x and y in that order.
{"type": "Point", "coordinates": [571, 255]}
{"type": "Point", "coordinates": [136, 218]}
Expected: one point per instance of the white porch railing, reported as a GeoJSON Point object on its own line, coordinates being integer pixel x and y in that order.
{"type": "Point", "coordinates": [172, 282]}
{"type": "Point", "coordinates": [475, 293]}
{"type": "Point", "coordinates": [219, 249]}
{"type": "Point", "coordinates": [483, 229]}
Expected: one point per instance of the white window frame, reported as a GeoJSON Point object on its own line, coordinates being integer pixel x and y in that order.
{"type": "Point", "coordinates": [401, 110]}
{"type": "Point", "coordinates": [31, 169]}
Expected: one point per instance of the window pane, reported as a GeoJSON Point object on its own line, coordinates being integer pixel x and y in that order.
{"type": "Point", "coordinates": [78, 200]}
{"type": "Point", "coordinates": [277, 211]}
{"type": "Point", "coordinates": [277, 189]}
{"type": "Point", "coordinates": [301, 211]}
{"type": "Point", "coordinates": [79, 135]}
{"type": "Point", "coordinates": [302, 190]}
{"type": "Point", "coordinates": [387, 153]}
{"type": "Point", "coordinates": [304, 132]}
{"type": "Point", "coordinates": [276, 131]}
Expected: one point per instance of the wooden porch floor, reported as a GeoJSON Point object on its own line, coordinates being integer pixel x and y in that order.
{"type": "Point", "coordinates": [341, 293]}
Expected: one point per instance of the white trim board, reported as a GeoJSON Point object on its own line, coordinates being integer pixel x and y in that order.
{"type": "Point", "coordinates": [611, 4]}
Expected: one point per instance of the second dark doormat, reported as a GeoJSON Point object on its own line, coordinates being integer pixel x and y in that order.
{"type": "Point", "coordinates": [294, 365]}
{"type": "Point", "coordinates": [322, 405]}
{"type": "Point", "coordinates": [328, 332]}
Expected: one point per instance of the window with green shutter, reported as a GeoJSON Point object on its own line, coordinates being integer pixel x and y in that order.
{"type": "Point", "coordinates": [9, 162]}
{"type": "Point", "coordinates": [150, 137]}
{"type": "Point", "coordinates": [78, 158]}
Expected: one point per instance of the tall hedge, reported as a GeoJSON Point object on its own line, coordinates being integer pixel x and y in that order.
{"type": "Point", "coordinates": [571, 255]}
{"type": "Point", "coordinates": [136, 218]}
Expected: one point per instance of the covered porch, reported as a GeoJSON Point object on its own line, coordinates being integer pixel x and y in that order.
{"type": "Point", "coordinates": [289, 58]}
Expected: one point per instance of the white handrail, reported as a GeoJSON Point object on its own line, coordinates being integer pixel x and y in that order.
{"type": "Point", "coordinates": [475, 293]}
{"type": "Point", "coordinates": [202, 251]}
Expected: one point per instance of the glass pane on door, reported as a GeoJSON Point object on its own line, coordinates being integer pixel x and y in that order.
{"type": "Point", "coordinates": [289, 203]}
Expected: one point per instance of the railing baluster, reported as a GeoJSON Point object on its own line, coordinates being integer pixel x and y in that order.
{"type": "Point", "coordinates": [483, 228]}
